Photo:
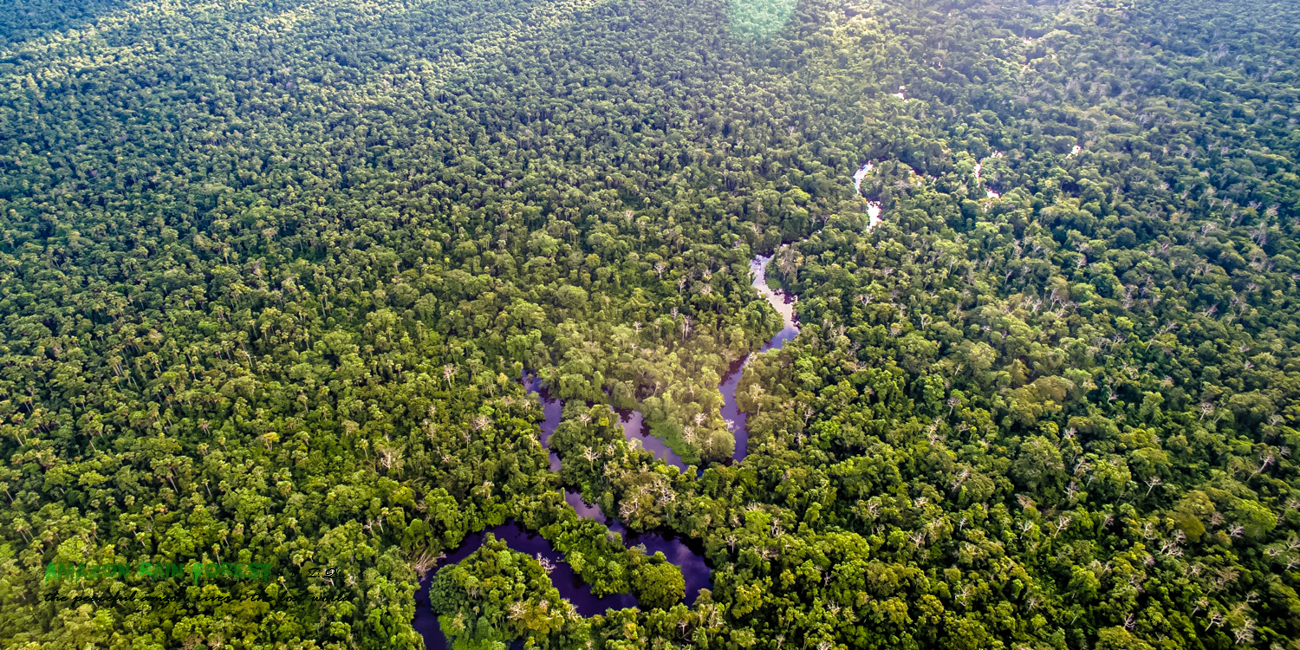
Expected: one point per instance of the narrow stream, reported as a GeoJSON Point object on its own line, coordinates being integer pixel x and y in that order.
{"type": "Point", "coordinates": [861, 174]}
{"type": "Point", "coordinates": [634, 426]}
{"type": "Point", "coordinates": [783, 305]}
{"type": "Point", "coordinates": [683, 552]}
{"type": "Point", "coordinates": [551, 408]}
{"type": "Point", "coordinates": [873, 207]}
{"type": "Point", "coordinates": [686, 553]}
{"type": "Point", "coordinates": [636, 429]}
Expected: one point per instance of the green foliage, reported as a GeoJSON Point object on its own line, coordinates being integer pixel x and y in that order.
{"type": "Point", "coordinates": [497, 594]}
{"type": "Point", "coordinates": [269, 273]}
{"type": "Point", "coordinates": [759, 18]}
{"type": "Point", "coordinates": [658, 585]}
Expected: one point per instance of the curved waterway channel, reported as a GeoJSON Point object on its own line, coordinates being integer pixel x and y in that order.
{"type": "Point", "coordinates": [686, 554]}
{"type": "Point", "coordinates": [634, 425]}
{"type": "Point", "coordinates": [571, 587]}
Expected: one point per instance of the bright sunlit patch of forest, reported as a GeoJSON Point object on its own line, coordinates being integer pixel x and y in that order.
{"type": "Point", "coordinates": [271, 273]}
{"type": "Point", "coordinates": [759, 18]}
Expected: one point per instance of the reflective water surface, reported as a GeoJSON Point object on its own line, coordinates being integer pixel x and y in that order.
{"type": "Point", "coordinates": [686, 554]}
{"type": "Point", "coordinates": [636, 429]}
{"type": "Point", "coordinates": [784, 305]}
{"type": "Point", "coordinates": [551, 408]}
{"type": "Point", "coordinates": [519, 539]}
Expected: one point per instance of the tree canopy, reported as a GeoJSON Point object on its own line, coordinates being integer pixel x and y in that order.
{"type": "Point", "coordinates": [270, 273]}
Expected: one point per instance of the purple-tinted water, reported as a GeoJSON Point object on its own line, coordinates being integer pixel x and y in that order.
{"type": "Point", "coordinates": [680, 551]}
{"type": "Point", "coordinates": [635, 428]}
{"type": "Point", "coordinates": [686, 553]}
{"type": "Point", "coordinates": [731, 412]}
{"type": "Point", "coordinates": [425, 621]}
{"type": "Point", "coordinates": [552, 409]}
{"type": "Point", "coordinates": [784, 306]}
{"type": "Point", "coordinates": [519, 539]}
{"type": "Point", "coordinates": [590, 511]}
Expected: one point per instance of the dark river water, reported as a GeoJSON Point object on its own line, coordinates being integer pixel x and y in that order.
{"type": "Point", "coordinates": [636, 429]}
{"type": "Point", "coordinates": [685, 553]}
{"type": "Point", "coordinates": [570, 585]}
{"type": "Point", "coordinates": [551, 407]}
{"type": "Point", "coordinates": [790, 329]}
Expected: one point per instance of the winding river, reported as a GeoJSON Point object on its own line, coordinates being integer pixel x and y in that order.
{"type": "Point", "coordinates": [552, 409]}
{"type": "Point", "coordinates": [519, 539]}
{"type": "Point", "coordinates": [685, 553]}
{"type": "Point", "coordinates": [634, 426]}
{"type": "Point", "coordinates": [790, 329]}
{"type": "Point", "coordinates": [783, 303]}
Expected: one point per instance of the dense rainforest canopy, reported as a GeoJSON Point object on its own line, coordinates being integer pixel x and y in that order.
{"type": "Point", "coordinates": [270, 272]}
